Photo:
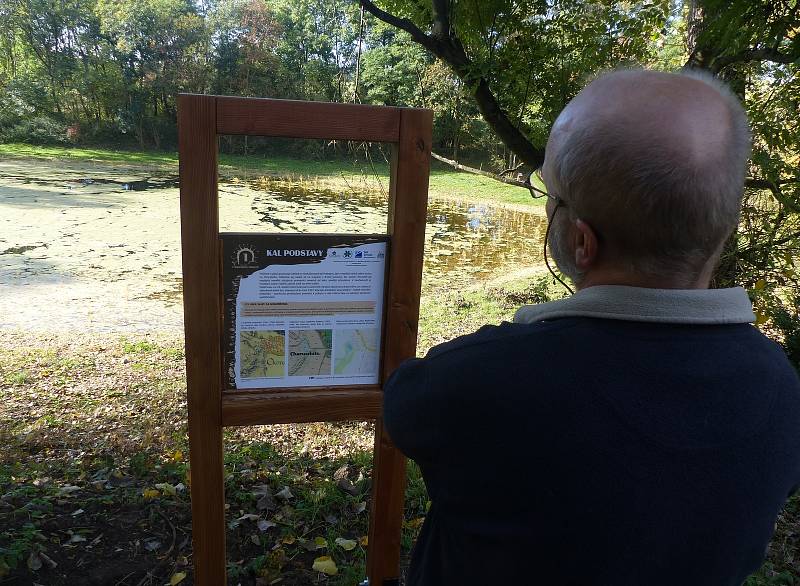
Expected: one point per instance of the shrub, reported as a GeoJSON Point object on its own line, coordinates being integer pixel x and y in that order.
{"type": "Point", "coordinates": [38, 130]}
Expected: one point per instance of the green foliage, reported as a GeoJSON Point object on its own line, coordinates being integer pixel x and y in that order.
{"type": "Point", "coordinates": [786, 319]}
{"type": "Point", "coordinates": [40, 130]}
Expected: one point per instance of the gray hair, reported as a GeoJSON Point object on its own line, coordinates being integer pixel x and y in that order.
{"type": "Point", "coordinates": [658, 210]}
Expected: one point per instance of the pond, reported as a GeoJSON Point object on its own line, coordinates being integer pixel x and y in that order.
{"type": "Point", "coordinates": [97, 246]}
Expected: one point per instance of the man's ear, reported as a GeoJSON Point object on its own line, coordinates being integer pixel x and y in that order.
{"type": "Point", "coordinates": [586, 246]}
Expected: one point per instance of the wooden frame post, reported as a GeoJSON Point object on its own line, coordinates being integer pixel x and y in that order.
{"type": "Point", "coordinates": [197, 144]}
{"type": "Point", "coordinates": [211, 407]}
{"type": "Point", "coordinates": [407, 217]}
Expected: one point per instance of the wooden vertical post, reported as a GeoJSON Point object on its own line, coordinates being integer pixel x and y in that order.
{"type": "Point", "coordinates": [197, 143]}
{"type": "Point", "coordinates": [408, 201]}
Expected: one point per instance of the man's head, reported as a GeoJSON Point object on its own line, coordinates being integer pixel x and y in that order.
{"type": "Point", "coordinates": [650, 169]}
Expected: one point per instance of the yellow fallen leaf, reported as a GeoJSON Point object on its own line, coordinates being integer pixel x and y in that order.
{"type": "Point", "coordinates": [760, 284]}
{"type": "Point", "coordinates": [177, 456]}
{"type": "Point", "coordinates": [289, 539]}
{"type": "Point", "coordinates": [363, 540]}
{"type": "Point", "coordinates": [325, 565]}
{"type": "Point", "coordinates": [150, 493]}
{"type": "Point", "coordinates": [320, 542]}
{"type": "Point", "coordinates": [760, 318]}
{"type": "Point", "coordinates": [345, 544]}
{"type": "Point", "coordinates": [177, 578]}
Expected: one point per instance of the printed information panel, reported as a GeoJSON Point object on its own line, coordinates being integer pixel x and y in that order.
{"type": "Point", "coordinates": [302, 309]}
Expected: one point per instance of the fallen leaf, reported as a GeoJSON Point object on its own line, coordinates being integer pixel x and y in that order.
{"type": "Point", "coordinates": [75, 538]}
{"type": "Point", "coordinates": [363, 541]}
{"type": "Point", "coordinates": [345, 544]}
{"type": "Point", "coordinates": [325, 565]}
{"type": "Point", "coordinates": [248, 517]}
{"type": "Point", "coordinates": [152, 545]}
{"type": "Point", "coordinates": [347, 486]}
{"type": "Point", "coordinates": [359, 508]}
{"type": "Point", "coordinates": [285, 493]}
{"type": "Point", "coordinates": [320, 542]}
{"type": "Point", "coordinates": [78, 512]}
{"type": "Point", "coordinates": [34, 562]}
{"type": "Point", "coordinates": [263, 524]}
{"type": "Point", "coordinates": [150, 493]}
{"type": "Point", "coordinates": [255, 539]}
{"type": "Point", "coordinates": [265, 500]}
{"type": "Point", "coordinates": [177, 578]}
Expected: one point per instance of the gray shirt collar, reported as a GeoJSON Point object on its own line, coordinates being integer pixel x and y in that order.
{"type": "Point", "coordinates": [675, 306]}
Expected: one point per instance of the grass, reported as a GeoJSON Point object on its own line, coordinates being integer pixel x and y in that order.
{"type": "Point", "coordinates": [444, 182]}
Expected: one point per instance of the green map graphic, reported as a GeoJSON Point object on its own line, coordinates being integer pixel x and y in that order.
{"type": "Point", "coordinates": [262, 354]}
{"type": "Point", "coordinates": [356, 352]}
{"type": "Point", "coordinates": [310, 352]}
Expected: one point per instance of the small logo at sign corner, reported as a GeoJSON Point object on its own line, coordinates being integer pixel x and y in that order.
{"type": "Point", "coordinates": [245, 257]}
{"type": "Point", "coordinates": [359, 254]}
{"type": "Point", "coordinates": [347, 254]}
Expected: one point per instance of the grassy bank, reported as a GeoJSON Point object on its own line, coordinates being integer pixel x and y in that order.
{"type": "Point", "coordinates": [94, 471]}
{"type": "Point", "coordinates": [444, 182]}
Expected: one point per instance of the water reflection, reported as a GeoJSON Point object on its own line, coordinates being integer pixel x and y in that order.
{"type": "Point", "coordinates": [464, 242]}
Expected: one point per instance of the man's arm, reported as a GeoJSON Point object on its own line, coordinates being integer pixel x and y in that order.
{"type": "Point", "coordinates": [411, 411]}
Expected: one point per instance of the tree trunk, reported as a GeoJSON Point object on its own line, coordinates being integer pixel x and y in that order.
{"type": "Point", "coordinates": [358, 55]}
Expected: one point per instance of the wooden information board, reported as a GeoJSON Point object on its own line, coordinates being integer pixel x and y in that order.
{"type": "Point", "coordinates": [212, 403]}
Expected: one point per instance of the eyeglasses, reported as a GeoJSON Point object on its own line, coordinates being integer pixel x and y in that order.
{"type": "Point", "coordinates": [536, 193]}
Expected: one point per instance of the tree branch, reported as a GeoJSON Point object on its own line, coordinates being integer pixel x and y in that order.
{"type": "Point", "coordinates": [445, 45]}
{"type": "Point", "coordinates": [401, 23]}
{"type": "Point", "coordinates": [754, 54]}
{"type": "Point", "coordinates": [501, 178]}
{"type": "Point", "coordinates": [775, 188]}
{"type": "Point", "coordinates": [511, 170]}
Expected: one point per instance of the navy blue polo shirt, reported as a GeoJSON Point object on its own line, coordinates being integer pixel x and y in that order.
{"type": "Point", "coordinates": [572, 449]}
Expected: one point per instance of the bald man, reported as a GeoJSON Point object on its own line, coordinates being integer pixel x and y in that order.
{"type": "Point", "coordinates": [642, 431]}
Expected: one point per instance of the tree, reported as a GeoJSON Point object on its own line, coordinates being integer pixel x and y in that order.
{"type": "Point", "coordinates": [523, 60]}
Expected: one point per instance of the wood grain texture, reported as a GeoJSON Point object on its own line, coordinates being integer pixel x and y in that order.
{"type": "Point", "coordinates": [301, 405]}
{"type": "Point", "coordinates": [407, 218]}
{"type": "Point", "coordinates": [295, 119]}
{"type": "Point", "coordinates": [197, 145]}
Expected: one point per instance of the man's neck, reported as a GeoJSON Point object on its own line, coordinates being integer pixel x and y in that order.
{"type": "Point", "coordinates": [612, 277]}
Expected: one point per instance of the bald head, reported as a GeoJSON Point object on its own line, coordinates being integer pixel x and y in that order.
{"type": "Point", "coordinates": [654, 162]}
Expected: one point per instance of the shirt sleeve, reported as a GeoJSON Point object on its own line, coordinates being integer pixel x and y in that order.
{"type": "Point", "coordinates": [411, 412]}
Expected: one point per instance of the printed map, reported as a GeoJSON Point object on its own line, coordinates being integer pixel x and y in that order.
{"type": "Point", "coordinates": [356, 352]}
{"type": "Point", "coordinates": [309, 352]}
{"type": "Point", "coordinates": [261, 353]}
